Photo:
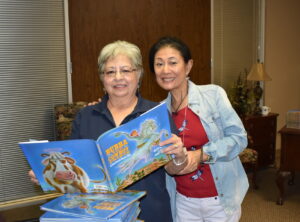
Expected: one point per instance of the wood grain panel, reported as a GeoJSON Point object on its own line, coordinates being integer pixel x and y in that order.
{"type": "Point", "coordinates": [94, 23]}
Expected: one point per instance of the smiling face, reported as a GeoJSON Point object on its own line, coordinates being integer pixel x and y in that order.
{"type": "Point", "coordinates": [120, 78]}
{"type": "Point", "coordinates": [170, 69]}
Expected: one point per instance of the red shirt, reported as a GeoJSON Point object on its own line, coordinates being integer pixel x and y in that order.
{"type": "Point", "coordinates": [194, 137]}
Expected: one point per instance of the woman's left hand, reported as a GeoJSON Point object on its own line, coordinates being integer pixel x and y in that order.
{"type": "Point", "coordinates": [193, 162]}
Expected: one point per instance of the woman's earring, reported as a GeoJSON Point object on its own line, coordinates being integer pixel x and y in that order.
{"type": "Point", "coordinates": [104, 90]}
{"type": "Point", "coordinates": [187, 77]}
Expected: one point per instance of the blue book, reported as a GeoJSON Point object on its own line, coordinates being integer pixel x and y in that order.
{"type": "Point", "coordinates": [101, 206]}
{"type": "Point", "coordinates": [132, 216]}
{"type": "Point", "coordinates": [127, 214]}
{"type": "Point", "coordinates": [118, 158]}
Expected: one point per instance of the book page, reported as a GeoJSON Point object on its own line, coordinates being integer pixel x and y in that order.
{"type": "Point", "coordinates": [131, 151]}
{"type": "Point", "coordinates": [66, 166]}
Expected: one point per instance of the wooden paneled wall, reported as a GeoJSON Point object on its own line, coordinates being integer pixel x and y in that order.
{"type": "Point", "coordinates": [95, 23]}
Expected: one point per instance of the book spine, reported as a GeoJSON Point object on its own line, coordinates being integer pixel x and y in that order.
{"type": "Point", "coordinates": [122, 208]}
{"type": "Point", "coordinates": [105, 169]}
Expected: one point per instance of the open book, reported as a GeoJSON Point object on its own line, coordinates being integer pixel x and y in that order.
{"type": "Point", "coordinates": [100, 206]}
{"type": "Point", "coordinates": [117, 159]}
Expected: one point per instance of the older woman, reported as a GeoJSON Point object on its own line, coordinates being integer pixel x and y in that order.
{"type": "Point", "coordinates": [120, 69]}
{"type": "Point", "coordinates": [213, 184]}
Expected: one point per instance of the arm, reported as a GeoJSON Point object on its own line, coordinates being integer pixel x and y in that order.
{"type": "Point", "coordinates": [226, 133]}
{"type": "Point", "coordinates": [33, 177]}
{"type": "Point", "coordinates": [232, 137]}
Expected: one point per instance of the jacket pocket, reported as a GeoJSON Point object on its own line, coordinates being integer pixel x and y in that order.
{"type": "Point", "coordinates": [215, 126]}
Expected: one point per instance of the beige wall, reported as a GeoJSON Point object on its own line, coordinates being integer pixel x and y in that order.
{"type": "Point", "coordinates": [282, 55]}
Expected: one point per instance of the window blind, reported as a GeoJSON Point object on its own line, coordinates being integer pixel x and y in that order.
{"type": "Point", "coordinates": [234, 39]}
{"type": "Point", "coordinates": [33, 79]}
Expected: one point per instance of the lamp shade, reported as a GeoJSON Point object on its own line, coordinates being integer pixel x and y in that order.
{"type": "Point", "coordinates": [258, 73]}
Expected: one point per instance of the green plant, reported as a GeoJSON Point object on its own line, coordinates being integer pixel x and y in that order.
{"type": "Point", "coordinates": [241, 95]}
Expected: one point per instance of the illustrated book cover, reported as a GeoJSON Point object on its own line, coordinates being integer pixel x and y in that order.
{"type": "Point", "coordinates": [128, 214]}
{"type": "Point", "coordinates": [118, 158]}
{"type": "Point", "coordinates": [100, 206]}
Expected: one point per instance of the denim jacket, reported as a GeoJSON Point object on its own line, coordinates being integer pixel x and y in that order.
{"type": "Point", "coordinates": [227, 138]}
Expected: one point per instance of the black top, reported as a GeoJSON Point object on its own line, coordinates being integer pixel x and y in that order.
{"type": "Point", "coordinates": [92, 121]}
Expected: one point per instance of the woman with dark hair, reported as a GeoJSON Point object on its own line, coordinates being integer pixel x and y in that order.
{"type": "Point", "coordinates": [213, 184]}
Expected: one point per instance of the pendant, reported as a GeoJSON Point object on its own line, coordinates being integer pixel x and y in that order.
{"type": "Point", "coordinates": [197, 175]}
{"type": "Point", "coordinates": [183, 126]}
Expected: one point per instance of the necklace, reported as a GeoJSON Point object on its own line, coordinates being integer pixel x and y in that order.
{"type": "Point", "coordinates": [183, 125]}
{"type": "Point", "coordinates": [181, 102]}
{"type": "Point", "coordinates": [182, 131]}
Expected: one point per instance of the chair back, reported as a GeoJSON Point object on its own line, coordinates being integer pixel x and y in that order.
{"type": "Point", "coordinates": [65, 114]}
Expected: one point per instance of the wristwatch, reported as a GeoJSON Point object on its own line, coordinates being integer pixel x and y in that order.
{"type": "Point", "coordinates": [209, 158]}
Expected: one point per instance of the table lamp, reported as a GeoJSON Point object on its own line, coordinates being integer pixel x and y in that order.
{"type": "Point", "coordinates": [258, 74]}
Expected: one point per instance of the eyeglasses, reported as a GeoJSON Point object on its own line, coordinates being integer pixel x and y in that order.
{"type": "Point", "coordinates": [123, 72]}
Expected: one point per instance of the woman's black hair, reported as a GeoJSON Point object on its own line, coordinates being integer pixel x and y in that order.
{"type": "Point", "coordinates": [172, 42]}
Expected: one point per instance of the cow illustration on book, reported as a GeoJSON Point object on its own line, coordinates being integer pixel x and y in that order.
{"type": "Point", "coordinates": [64, 175]}
{"type": "Point", "coordinates": [146, 138]}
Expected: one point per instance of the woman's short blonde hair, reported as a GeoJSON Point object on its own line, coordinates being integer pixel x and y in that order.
{"type": "Point", "coordinates": [121, 47]}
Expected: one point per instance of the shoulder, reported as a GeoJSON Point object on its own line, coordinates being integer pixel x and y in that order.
{"type": "Point", "coordinates": [209, 90]}
{"type": "Point", "coordinates": [92, 109]}
{"type": "Point", "coordinates": [87, 109]}
{"type": "Point", "coordinates": [146, 104]}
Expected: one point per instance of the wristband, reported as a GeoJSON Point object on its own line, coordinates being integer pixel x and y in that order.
{"type": "Point", "coordinates": [179, 163]}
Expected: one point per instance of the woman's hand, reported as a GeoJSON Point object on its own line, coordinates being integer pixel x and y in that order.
{"type": "Point", "coordinates": [178, 152]}
{"type": "Point", "coordinates": [33, 177]}
{"type": "Point", "coordinates": [174, 148]}
{"type": "Point", "coordinates": [94, 102]}
{"type": "Point", "coordinates": [193, 162]}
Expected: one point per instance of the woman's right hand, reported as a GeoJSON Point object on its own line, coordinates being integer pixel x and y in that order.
{"type": "Point", "coordinates": [94, 102]}
{"type": "Point", "coordinates": [33, 177]}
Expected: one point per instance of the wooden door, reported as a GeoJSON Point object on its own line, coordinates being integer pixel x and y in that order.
{"type": "Point", "coordinates": [95, 23]}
